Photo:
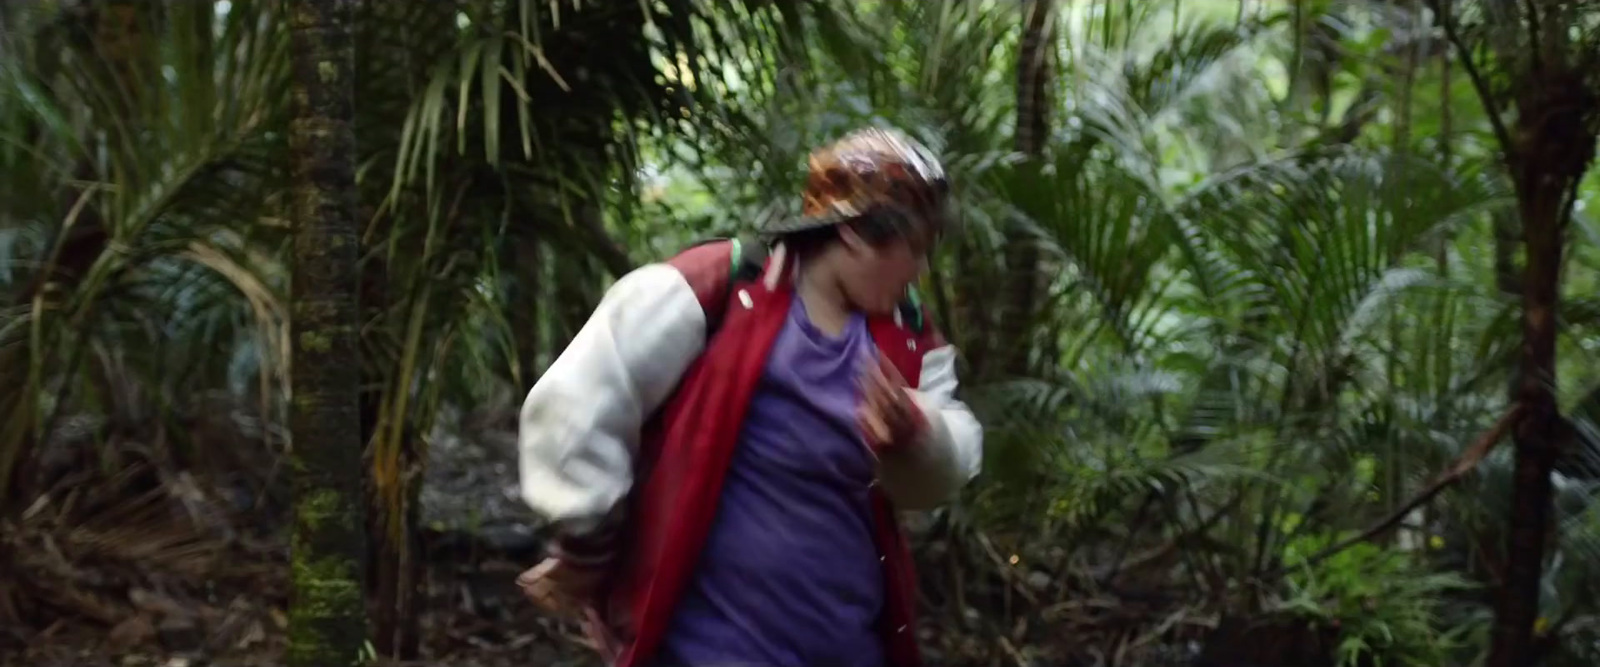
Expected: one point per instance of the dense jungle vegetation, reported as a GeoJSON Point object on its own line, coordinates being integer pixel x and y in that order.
{"type": "Point", "coordinates": [1249, 296]}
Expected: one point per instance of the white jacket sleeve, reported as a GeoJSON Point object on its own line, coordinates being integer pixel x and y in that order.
{"type": "Point", "coordinates": [928, 473]}
{"type": "Point", "coordinates": [579, 427]}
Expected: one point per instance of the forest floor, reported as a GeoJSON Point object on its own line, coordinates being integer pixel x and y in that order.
{"type": "Point", "coordinates": [146, 561]}
{"type": "Point", "coordinates": [470, 622]}
{"type": "Point", "coordinates": [136, 554]}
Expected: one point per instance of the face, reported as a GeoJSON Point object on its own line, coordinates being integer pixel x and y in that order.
{"type": "Point", "coordinates": [875, 278]}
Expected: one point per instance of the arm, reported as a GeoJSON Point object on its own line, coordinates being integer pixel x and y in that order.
{"type": "Point", "coordinates": [948, 454]}
{"type": "Point", "coordinates": [579, 428]}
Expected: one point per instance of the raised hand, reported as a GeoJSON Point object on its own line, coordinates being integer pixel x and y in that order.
{"type": "Point", "coordinates": [889, 415]}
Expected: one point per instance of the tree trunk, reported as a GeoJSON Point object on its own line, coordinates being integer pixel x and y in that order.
{"type": "Point", "coordinates": [1555, 113]}
{"type": "Point", "coordinates": [327, 619]}
{"type": "Point", "coordinates": [1535, 435]}
{"type": "Point", "coordinates": [1022, 273]}
{"type": "Point", "coordinates": [1506, 238]}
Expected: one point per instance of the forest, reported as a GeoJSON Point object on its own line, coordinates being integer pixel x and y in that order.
{"type": "Point", "coordinates": [1281, 317]}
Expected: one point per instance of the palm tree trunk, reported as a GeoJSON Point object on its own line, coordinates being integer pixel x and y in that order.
{"type": "Point", "coordinates": [327, 619]}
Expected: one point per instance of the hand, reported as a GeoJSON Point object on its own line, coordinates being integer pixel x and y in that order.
{"type": "Point", "coordinates": [563, 591]}
{"type": "Point", "coordinates": [558, 588]}
{"type": "Point", "coordinates": [889, 415]}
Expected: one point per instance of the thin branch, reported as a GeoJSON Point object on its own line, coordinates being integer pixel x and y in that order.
{"type": "Point", "coordinates": [1006, 570]}
{"type": "Point", "coordinates": [1478, 83]}
{"type": "Point", "coordinates": [1534, 49]}
{"type": "Point", "coordinates": [1011, 650]}
{"type": "Point", "coordinates": [1133, 529]}
{"type": "Point", "coordinates": [1178, 541]}
{"type": "Point", "coordinates": [1449, 476]}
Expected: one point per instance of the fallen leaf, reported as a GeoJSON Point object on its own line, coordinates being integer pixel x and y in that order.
{"type": "Point", "coordinates": [131, 632]}
{"type": "Point", "coordinates": [158, 603]}
{"type": "Point", "coordinates": [252, 635]}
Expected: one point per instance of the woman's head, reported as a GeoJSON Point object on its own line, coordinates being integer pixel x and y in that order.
{"type": "Point", "coordinates": [870, 260]}
{"type": "Point", "coordinates": [875, 204]}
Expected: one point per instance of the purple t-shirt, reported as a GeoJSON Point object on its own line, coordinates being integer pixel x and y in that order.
{"type": "Point", "coordinates": [790, 574]}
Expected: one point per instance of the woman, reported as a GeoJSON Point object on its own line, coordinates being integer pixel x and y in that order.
{"type": "Point", "coordinates": [729, 499]}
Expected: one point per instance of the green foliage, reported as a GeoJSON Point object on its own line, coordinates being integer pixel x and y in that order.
{"type": "Point", "coordinates": [140, 231]}
{"type": "Point", "coordinates": [1386, 604]}
{"type": "Point", "coordinates": [1270, 307]}
{"type": "Point", "coordinates": [1262, 303]}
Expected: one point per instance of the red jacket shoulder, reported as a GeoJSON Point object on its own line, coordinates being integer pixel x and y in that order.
{"type": "Point", "coordinates": [707, 268]}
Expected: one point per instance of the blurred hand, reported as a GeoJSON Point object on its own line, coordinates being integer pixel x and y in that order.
{"type": "Point", "coordinates": [558, 588]}
{"type": "Point", "coordinates": [889, 415]}
{"type": "Point", "coordinates": [566, 592]}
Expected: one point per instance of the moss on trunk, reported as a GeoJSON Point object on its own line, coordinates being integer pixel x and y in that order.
{"type": "Point", "coordinates": [327, 619]}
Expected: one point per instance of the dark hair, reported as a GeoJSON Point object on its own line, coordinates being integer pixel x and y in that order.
{"type": "Point", "coordinates": [878, 228]}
